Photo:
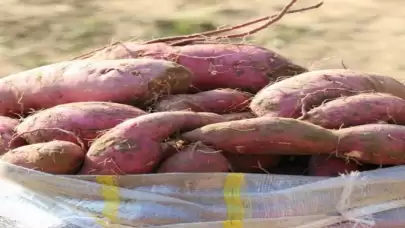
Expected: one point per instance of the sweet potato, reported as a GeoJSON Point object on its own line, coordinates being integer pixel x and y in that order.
{"type": "Point", "coordinates": [359, 109]}
{"type": "Point", "coordinates": [294, 96]}
{"type": "Point", "coordinates": [216, 101]}
{"type": "Point", "coordinates": [195, 158]}
{"type": "Point", "coordinates": [121, 81]}
{"type": "Point", "coordinates": [251, 163]}
{"type": "Point", "coordinates": [56, 157]}
{"type": "Point", "coordinates": [381, 144]}
{"type": "Point", "coordinates": [242, 66]}
{"type": "Point", "coordinates": [86, 120]}
{"type": "Point", "coordinates": [171, 148]}
{"type": "Point", "coordinates": [330, 166]}
{"type": "Point", "coordinates": [7, 126]}
{"type": "Point", "coordinates": [134, 146]}
{"type": "Point", "coordinates": [266, 135]}
{"type": "Point", "coordinates": [239, 116]}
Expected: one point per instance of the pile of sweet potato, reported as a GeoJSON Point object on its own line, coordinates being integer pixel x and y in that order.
{"type": "Point", "coordinates": [196, 104]}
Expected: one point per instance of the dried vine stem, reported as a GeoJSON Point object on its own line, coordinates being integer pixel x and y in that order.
{"type": "Point", "coordinates": [239, 26]}
{"type": "Point", "coordinates": [272, 19]}
{"type": "Point", "coordinates": [182, 40]}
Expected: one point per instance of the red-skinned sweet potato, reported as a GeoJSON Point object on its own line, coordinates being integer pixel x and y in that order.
{"type": "Point", "coordinates": [239, 116]}
{"type": "Point", "coordinates": [86, 120]}
{"type": "Point", "coordinates": [330, 166]}
{"type": "Point", "coordinates": [134, 146]}
{"type": "Point", "coordinates": [121, 81]}
{"type": "Point", "coordinates": [216, 101]}
{"type": "Point", "coordinates": [195, 158]}
{"type": "Point", "coordinates": [56, 157]}
{"type": "Point", "coordinates": [266, 135]}
{"type": "Point", "coordinates": [358, 109]}
{"type": "Point", "coordinates": [242, 66]}
{"type": "Point", "coordinates": [7, 126]}
{"type": "Point", "coordinates": [380, 144]}
{"type": "Point", "coordinates": [294, 96]}
{"type": "Point", "coordinates": [251, 163]}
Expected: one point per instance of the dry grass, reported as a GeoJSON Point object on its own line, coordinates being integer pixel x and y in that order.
{"type": "Point", "coordinates": [366, 35]}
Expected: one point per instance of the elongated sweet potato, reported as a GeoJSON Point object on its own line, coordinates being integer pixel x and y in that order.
{"type": "Point", "coordinates": [294, 96]}
{"type": "Point", "coordinates": [266, 135]}
{"type": "Point", "coordinates": [56, 157]}
{"type": "Point", "coordinates": [358, 109]}
{"type": "Point", "coordinates": [195, 158]}
{"type": "Point", "coordinates": [381, 144]}
{"type": "Point", "coordinates": [330, 166]}
{"type": "Point", "coordinates": [86, 120]}
{"type": "Point", "coordinates": [251, 163]}
{"type": "Point", "coordinates": [239, 116]}
{"type": "Point", "coordinates": [121, 81]}
{"type": "Point", "coordinates": [216, 101]}
{"type": "Point", "coordinates": [134, 146]}
{"type": "Point", "coordinates": [7, 126]}
{"type": "Point", "coordinates": [242, 66]}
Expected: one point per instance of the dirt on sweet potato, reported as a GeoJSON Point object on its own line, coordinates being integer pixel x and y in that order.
{"type": "Point", "coordinates": [121, 81]}
{"type": "Point", "coordinates": [218, 101]}
{"type": "Point", "coordinates": [55, 157]}
{"type": "Point", "coordinates": [7, 132]}
{"type": "Point", "coordinates": [195, 158]}
{"type": "Point", "coordinates": [295, 96]}
{"type": "Point", "coordinates": [365, 108]}
{"type": "Point", "coordinates": [85, 120]}
{"type": "Point", "coordinates": [134, 146]}
{"type": "Point", "coordinates": [266, 135]}
{"type": "Point", "coordinates": [380, 144]}
{"type": "Point", "coordinates": [214, 65]}
{"type": "Point", "coordinates": [239, 116]}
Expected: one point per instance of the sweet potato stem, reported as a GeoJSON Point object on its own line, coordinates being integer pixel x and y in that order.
{"type": "Point", "coordinates": [183, 40]}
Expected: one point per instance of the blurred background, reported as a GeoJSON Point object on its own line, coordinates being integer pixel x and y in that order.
{"type": "Point", "coordinates": [365, 34]}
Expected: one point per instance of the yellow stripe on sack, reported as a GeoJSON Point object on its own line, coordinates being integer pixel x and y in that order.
{"type": "Point", "coordinates": [233, 224]}
{"type": "Point", "coordinates": [234, 204]}
{"type": "Point", "coordinates": [111, 196]}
